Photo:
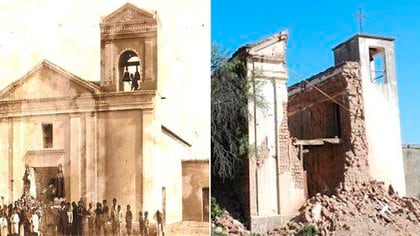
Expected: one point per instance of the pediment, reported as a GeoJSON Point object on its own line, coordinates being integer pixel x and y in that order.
{"type": "Point", "coordinates": [271, 47]}
{"type": "Point", "coordinates": [128, 13]}
{"type": "Point", "coordinates": [48, 81]}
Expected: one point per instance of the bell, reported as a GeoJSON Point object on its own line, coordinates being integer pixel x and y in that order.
{"type": "Point", "coordinates": [137, 74]}
{"type": "Point", "coordinates": [126, 75]}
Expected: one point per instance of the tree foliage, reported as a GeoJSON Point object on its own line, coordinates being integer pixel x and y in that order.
{"type": "Point", "coordinates": [229, 99]}
{"type": "Point", "coordinates": [231, 91]}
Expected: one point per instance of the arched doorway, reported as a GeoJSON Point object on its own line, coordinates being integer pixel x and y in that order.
{"type": "Point", "coordinates": [129, 71]}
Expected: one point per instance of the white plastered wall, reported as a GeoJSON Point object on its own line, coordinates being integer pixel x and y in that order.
{"type": "Point", "coordinates": [382, 118]}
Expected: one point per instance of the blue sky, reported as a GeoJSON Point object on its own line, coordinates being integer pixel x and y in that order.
{"type": "Point", "coordinates": [315, 27]}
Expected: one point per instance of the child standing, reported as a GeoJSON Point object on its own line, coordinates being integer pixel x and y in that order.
{"type": "Point", "coordinates": [120, 219]}
{"type": "Point", "coordinates": [141, 223]}
{"type": "Point", "coordinates": [128, 220]}
{"type": "Point", "coordinates": [15, 222]}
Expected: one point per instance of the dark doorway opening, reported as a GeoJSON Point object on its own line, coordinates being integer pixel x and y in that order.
{"type": "Point", "coordinates": [44, 177]}
{"type": "Point", "coordinates": [205, 197]}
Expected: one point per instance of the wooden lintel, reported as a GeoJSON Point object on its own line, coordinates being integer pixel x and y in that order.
{"type": "Point", "coordinates": [317, 142]}
{"type": "Point", "coordinates": [333, 140]}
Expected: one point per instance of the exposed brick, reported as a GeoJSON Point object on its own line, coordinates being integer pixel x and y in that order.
{"type": "Point", "coordinates": [312, 115]}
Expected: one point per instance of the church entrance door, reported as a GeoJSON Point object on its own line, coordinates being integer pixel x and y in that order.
{"type": "Point", "coordinates": [44, 176]}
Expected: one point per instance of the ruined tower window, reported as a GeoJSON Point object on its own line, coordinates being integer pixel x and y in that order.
{"type": "Point", "coordinates": [47, 133]}
{"type": "Point", "coordinates": [377, 65]}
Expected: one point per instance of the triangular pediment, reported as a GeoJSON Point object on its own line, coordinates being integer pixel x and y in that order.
{"type": "Point", "coordinates": [45, 81]}
{"type": "Point", "coordinates": [273, 46]}
{"type": "Point", "coordinates": [128, 13]}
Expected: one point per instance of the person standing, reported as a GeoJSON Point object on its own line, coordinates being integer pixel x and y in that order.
{"type": "Point", "coordinates": [105, 217]}
{"type": "Point", "coordinates": [69, 220]}
{"type": "Point", "coordinates": [35, 223]}
{"type": "Point", "coordinates": [80, 217]}
{"type": "Point", "coordinates": [120, 219]}
{"type": "Point", "coordinates": [128, 220]}
{"type": "Point", "coordinates": [98, 218]}
{"type": "Point", "coordinates": [26, 216]}
{"type": "Point", "coordinates": [9, 218]}
{"type": "Point", "coordinates": [3, 221]}
{"type": "Point", "coordinates": [159, 219]}
{"type": "Point", "coordinates": [75, 224]}
{"type": "Point", "coordinates": [90, 218]}
{"type": "Point", "coordinates": [141, 223]}
{"type": "Point", "coordinates": [114, 216]}
{"type": "Point", "coordinates": [62, 220]}
{"type": "Point", "coordinates": [15, 222]}
{"type": "Point", "coordinates": [146, 224]}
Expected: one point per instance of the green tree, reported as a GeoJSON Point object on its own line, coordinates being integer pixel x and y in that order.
{"type": "Point", "coordinates": [231, 90]}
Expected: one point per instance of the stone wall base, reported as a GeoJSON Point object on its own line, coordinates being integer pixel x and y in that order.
{"type": "Point", "coordinates": [261, 224]}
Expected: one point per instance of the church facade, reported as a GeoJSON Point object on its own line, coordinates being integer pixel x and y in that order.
{"type": "Point", "coordinates": [109, 137]}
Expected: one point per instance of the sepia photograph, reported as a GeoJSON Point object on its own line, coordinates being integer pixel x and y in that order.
{"type": "Point", "coordinates": [104, 117]}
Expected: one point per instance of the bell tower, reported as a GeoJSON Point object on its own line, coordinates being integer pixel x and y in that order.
{"type": "Point", "coordinates": [129, 50]}
{"type": "Point", "coordinates": [380, 101]}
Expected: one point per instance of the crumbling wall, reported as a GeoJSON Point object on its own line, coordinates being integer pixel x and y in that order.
{"type": "Point", "coordinates": [337, 111]}
{"type": "Point", "coordinates": [289, 161]}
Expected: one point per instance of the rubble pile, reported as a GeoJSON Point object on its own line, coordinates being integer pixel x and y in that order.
{"type": "Point", "coordinates": [228, 225]}
{"type": "Point", "coordinates": [369, 209]}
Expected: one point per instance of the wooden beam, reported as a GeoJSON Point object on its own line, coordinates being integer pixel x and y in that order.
{"type": "Point", "coordinates": [317, 142]}
{"type": "Point", "coordinates": [333, 140]}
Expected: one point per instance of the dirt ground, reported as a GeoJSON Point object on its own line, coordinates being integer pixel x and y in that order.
{"type": "Point", "coordinates": [188, 228]}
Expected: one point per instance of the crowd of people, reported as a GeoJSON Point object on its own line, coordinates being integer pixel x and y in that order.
{"type": "Point", "coordinates": [64, 218]}
{"type": "Point", "coordinates": [20, 218]}
{"type": "Point", "coordinates": [29, 216]}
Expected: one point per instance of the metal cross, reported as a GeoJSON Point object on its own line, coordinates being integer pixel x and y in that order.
{"type": "Point", "coordinates": [360, 17]}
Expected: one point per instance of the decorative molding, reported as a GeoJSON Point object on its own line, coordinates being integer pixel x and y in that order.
{"type": "Point", "coordinates": [127, 13]}
{"type": "Point", "coordinates": [44, 158]}
{"type": "Point", "coordinates": [45, 151]}
{"type": "Point", "coordinates": [127, 29]}
{"type": "Point", "coordinates": [128, 19]}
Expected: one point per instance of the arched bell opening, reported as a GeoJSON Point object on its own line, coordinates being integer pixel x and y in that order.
{"type": "Point", "coordinates": [129, 71]}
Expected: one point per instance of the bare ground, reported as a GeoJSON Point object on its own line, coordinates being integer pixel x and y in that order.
{"type": "Point", "coordinates": [188, 228]}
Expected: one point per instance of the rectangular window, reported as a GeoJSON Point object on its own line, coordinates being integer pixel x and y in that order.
{"type": "Point", "coordinates": [47, 133]}
{"type": "Point", "coordinates": [377, 65]}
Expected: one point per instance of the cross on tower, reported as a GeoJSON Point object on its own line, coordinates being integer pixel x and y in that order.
{"type": "Point", "coordinates": [360, 17]}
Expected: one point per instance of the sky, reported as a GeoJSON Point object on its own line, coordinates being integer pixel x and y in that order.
{"type": "Point", "coordinates": [67, 34]}
{"type": "Point", "coordinates": [315, 27]}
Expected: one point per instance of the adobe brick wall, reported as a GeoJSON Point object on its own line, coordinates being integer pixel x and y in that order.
{"type": "Point", "coordinates": [288, 153]}
{"type": "Point", "coordinates": [311, 115]}
{"type": "Point", "coordinates": [195, 177]}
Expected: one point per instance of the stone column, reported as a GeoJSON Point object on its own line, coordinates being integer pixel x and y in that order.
{"type": "Point", "coordinates": [75, 158]}
{"type": "Point", "coordinates": [139, 164]}
{"type": "Point", "coordinates": [66, 163]}
{"type": "Point", "coordinates": [149, 180]}
{"type": "Point", "coordinates": [100, 156]}
{"type": "Point", "coordinates": [91, 164]}
{"type": "Point", "coordinates": [6, 153]}
{"type": "Point", "coordinates": [16, 142]}
{"type": "Point", "coordinates": [83, 163]}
